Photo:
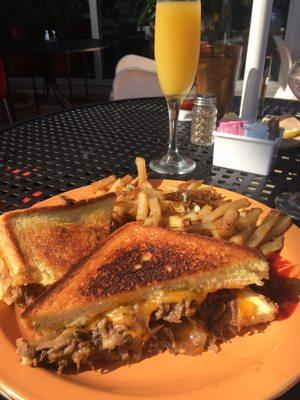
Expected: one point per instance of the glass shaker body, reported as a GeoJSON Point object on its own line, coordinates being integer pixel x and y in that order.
{"type": "Point", "coordinates": [204, 119]}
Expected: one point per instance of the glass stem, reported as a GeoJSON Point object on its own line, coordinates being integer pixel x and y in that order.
{"type": "Point", "coordinates": [173, 109]}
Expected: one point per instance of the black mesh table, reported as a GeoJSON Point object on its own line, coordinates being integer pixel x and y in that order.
{"type": "Point", "coordinates": [51, 154]}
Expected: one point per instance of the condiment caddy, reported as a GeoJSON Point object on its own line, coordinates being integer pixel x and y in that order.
{"type": "Point", "coordinates": [247, 147]}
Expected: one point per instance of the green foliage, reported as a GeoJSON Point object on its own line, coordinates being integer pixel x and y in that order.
{"type": "Point", "coordinates": [145, 12]}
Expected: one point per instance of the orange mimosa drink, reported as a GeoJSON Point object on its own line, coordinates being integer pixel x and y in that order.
{"type": "Point", "coordinates": [177, 45]}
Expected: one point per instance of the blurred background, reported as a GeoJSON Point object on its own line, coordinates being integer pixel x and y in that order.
{"type": "Point", "coordinates": [127, 25]}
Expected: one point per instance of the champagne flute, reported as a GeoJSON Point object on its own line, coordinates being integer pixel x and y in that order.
{"type": "Point", "coordinates": [177, 47]}
{"type": "Point", "coordinates": [289, 202]}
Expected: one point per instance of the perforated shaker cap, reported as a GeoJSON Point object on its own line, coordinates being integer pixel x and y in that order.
{"type": "Point", "coordinates": [205, 99]}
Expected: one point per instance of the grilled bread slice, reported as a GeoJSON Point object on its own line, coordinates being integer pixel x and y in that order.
{"type": "Point", "coordinates": [148, 266]}
{"type": "Point", "coordinates": [39, 245]}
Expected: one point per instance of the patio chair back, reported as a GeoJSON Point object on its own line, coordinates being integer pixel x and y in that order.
{"type": "Point", "coordinates": [3, 82]}
{"type": "Point", "coordinates": [286, 63]}
{"type": "Point", "coordinates": [3, 91]}
{"type": "Point", "coordinates": [135, 77]}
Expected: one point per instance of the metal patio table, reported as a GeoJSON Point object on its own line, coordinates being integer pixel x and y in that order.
{"type": "Point", "coordinates": [44, 58]}
{"type": "Point", "coordinates": [52, 154]}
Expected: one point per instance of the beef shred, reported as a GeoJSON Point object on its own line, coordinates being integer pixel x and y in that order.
{"type": "Point", "coordinates": [215, 317]}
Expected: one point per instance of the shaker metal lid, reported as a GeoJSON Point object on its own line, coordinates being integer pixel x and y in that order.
{"type": "Point", "coordinates": [205, 99]}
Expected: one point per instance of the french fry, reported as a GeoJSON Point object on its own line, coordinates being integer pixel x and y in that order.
{"type": "Point", "coordinates": [143, 207]}
{"type": "Point", "coordinates": [203, 229]}
{"type": "Point", "coordinates": [122, 207]}
{"type": "Point", "coordinates": [153, 193]}
{"type": "Point", "coordinates": [171, 189]}
{"type": "Point", "coordinates": [205, 192]}
{"type": "Point", "coordinates": [205, 210]}
{"type": "Point", "coordinates": [192, 207]}
{"type": "Point", "coordinates": [192, 216]}
{"type": "Point", "coordinates": [119, 209]}
{"type": "Point", "coordinates": [155, 210]}
{"type": "Point", "coordinates": [127, 179]}
{"type": "Point", "coordinates": [240, 203]}
{"type": "Point", "coordinates": [176, 221]}
{"type": "Point", "coordinates": [142, 171]}
{"type": "Point", "coordinates": [130, 194]}
{"type": "Point", "coordinates": [247, 218]}
{"type": "Point", "coordinates": [217, 213]}
{"type": "Point", "coordinates": [282, 225]}
{"type": "Point", "coordinates": [260, 233]}
{"type": "Point", "coordinates": [149, 220]}
{"type": "Point", "coordinates": [241, 237]}
{"type": "Point", "coordinates": [226, 226]}
{"type": "Point", "coordinates": [216, 234]}
{"type": "Point", "coordinates": [194, 185]}
{"type": "Point", "coordinates": [103, 183]}
{"type": "Point", "coordinates": [117, 186]}
{"type": "Point", "coordinates": [147, 185]}
{"type": "Point", "coordinates": [101, 192]}
{"type": "Point", "coordinates": [120, 218]}
{"type": "Point", "coordinates": [133, 210]}
{"type": "Point", "coordinates": [273, 246]}
{"type": "Point", "coordinates": [220, 211]}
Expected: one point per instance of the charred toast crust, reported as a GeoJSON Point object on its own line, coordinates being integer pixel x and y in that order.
{"type": "Point", "coordinates": [150, 256]}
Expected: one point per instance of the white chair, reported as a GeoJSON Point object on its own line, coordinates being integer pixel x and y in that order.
{"type": "Point", "coordinates": [286, 63]}
{"type": "Point", "coordinates": [135, 77]}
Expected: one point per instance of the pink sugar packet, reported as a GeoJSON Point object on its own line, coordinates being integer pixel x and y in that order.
{"type": "Point", "coordinates": [233, 127]}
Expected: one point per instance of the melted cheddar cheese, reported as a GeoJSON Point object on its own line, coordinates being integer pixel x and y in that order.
{"type": "Point", "coordinates": [144, 309]}
{"type": "Point", "coordinates": [133, 319]}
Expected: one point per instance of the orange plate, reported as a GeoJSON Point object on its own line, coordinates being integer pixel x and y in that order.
{"type": "Point", "coordinates": [259, 366]}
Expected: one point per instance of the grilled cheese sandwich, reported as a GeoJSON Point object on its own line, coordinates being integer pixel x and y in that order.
{"type": "Point", "coordinates": [144, 290]}
{"type": "Point", "coordinates": [39, 245]}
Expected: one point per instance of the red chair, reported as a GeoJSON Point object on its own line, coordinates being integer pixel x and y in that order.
{"type": "Point", "coordinates": [3, 91]}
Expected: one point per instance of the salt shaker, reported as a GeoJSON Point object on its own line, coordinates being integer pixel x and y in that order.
{"type": "Point", "coordinates": [46, 36]}
{"type": "Point", "coordinates": [204, 119]}
{"type": "Point", "coordinates": [54, 37]}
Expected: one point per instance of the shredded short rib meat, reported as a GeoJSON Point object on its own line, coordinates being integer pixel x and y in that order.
{"type": "Point", "coordinates": [174, 312]}
{"type": "Point", "coordinates": [219, 313]}
{"type": "Point", "coordinates": [180, 327]}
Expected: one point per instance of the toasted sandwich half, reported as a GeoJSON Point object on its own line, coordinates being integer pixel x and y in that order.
{"type": "Point", "coordinates": [144, 290]}
{"type": "Point", "coordinates": [39, 245]}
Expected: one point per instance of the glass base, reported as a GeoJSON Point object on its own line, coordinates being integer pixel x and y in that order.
{"type": "Point", "coordinates": [289, 203]}
{"type": "Point", "coordinates": [177, 165]}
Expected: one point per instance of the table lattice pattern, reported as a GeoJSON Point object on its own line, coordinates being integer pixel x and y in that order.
{"type": "Point", "coordinates": [51, 154]}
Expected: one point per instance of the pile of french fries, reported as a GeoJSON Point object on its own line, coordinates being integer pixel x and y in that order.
{"type": "Point", "coordinates": [193, 207]}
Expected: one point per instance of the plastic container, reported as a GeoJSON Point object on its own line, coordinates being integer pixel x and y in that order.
{"type": "Point", "coordinates": [245, 153]}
